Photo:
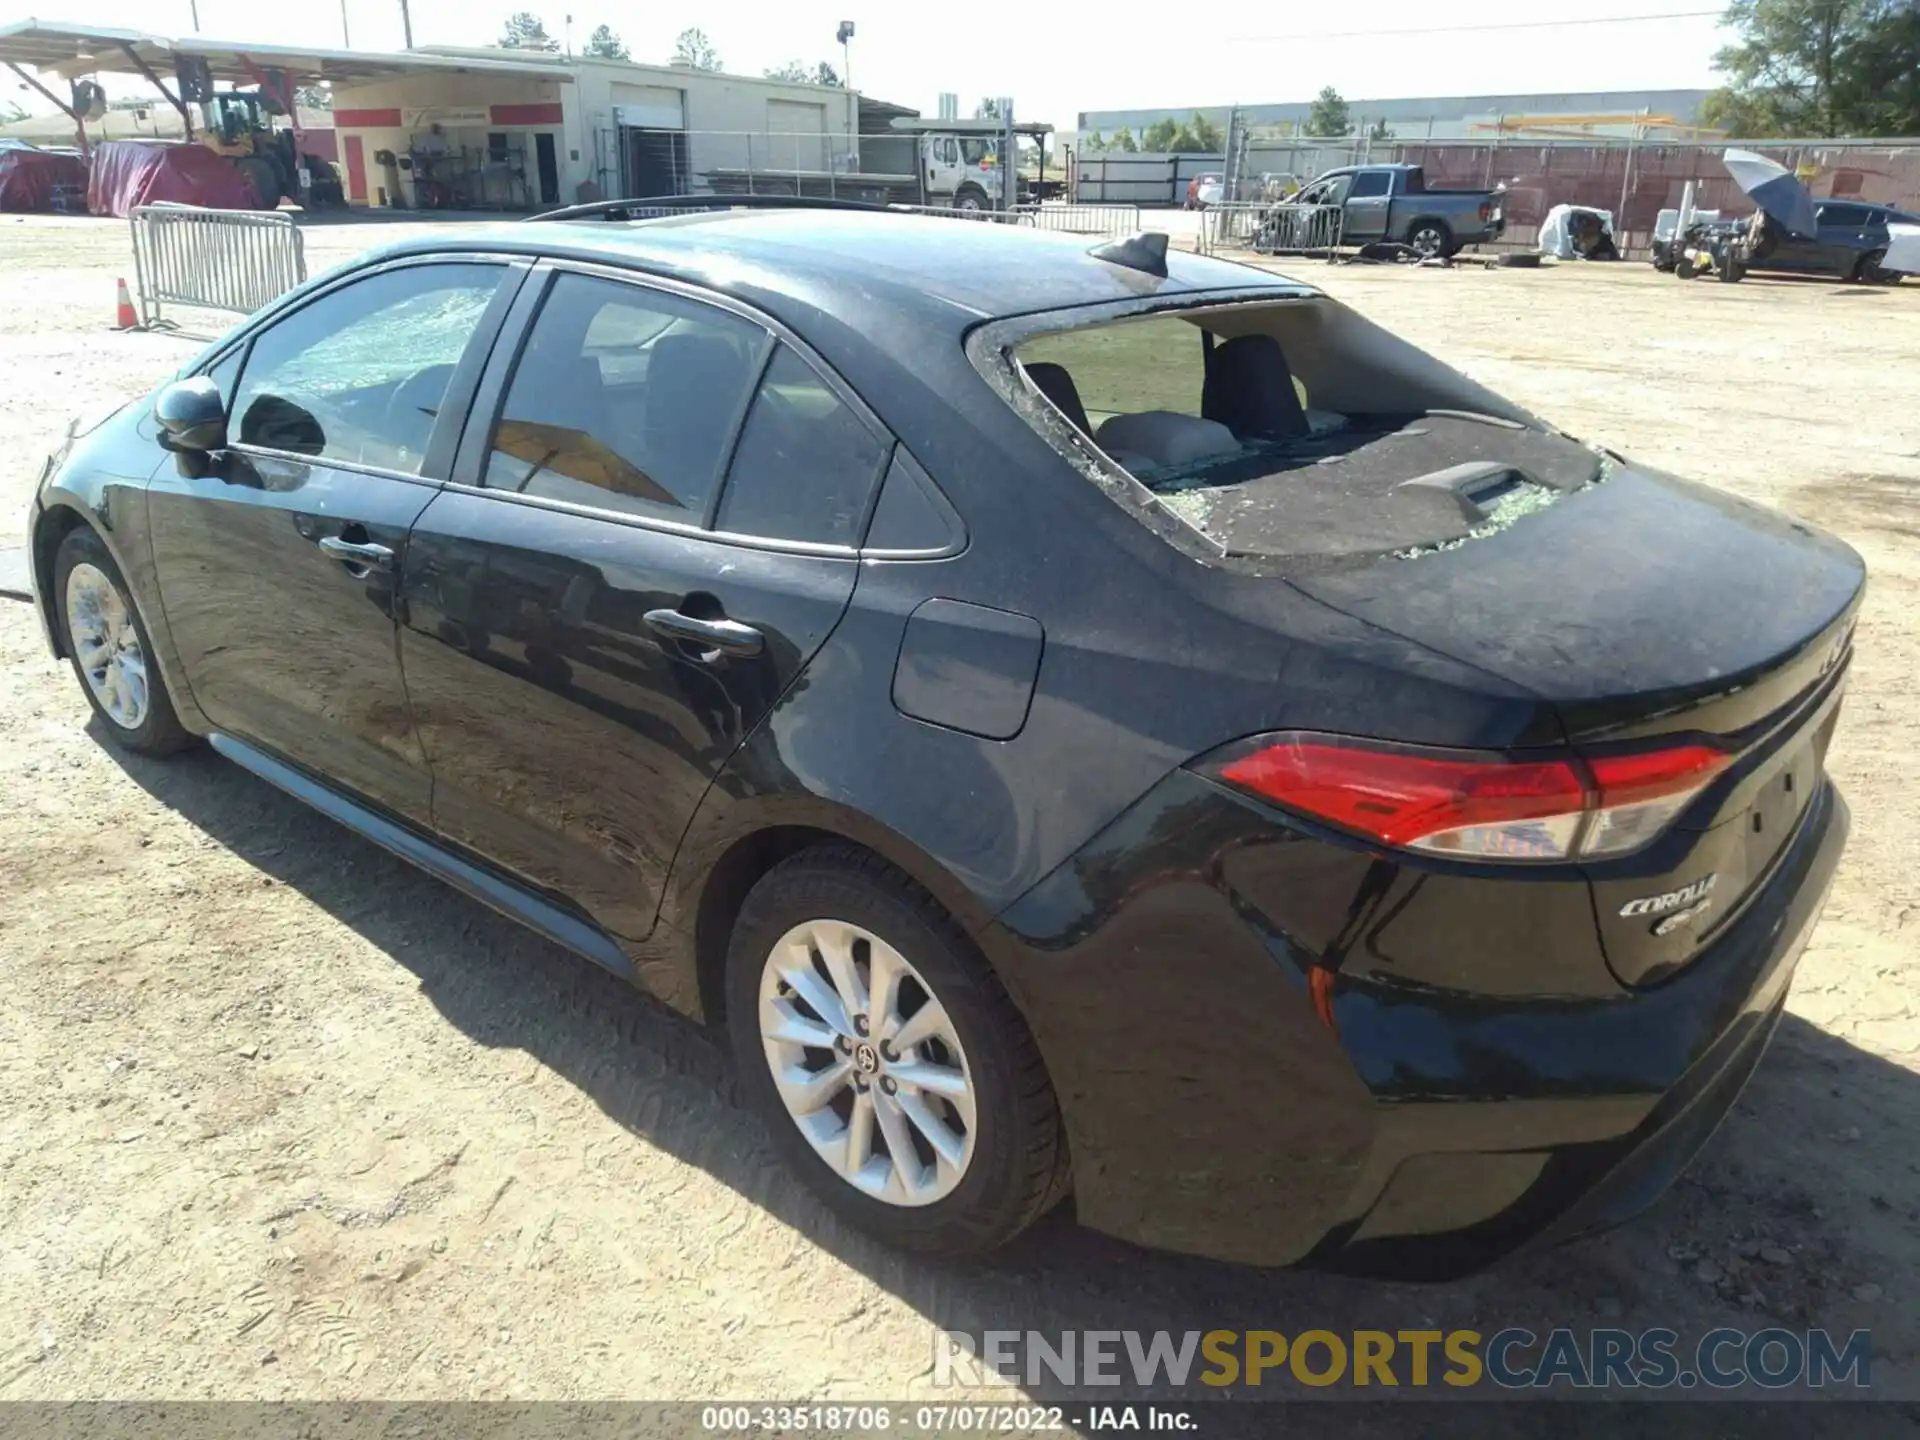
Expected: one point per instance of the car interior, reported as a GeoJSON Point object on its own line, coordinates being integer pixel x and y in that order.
{"type": "Point", "coordinates": [1214, 419]}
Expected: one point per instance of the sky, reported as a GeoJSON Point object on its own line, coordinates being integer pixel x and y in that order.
{"type": "Point", "coordinates": [1054, 60]}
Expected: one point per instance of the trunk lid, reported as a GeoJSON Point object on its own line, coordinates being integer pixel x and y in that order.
{"type": "Point", "coordinates": [1646, 608]}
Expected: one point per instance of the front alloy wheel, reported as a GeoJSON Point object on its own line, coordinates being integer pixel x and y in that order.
{"type": "Point", "coordinates": [867, 1062]}
{"type": "Point", "coordinates": [102, 634]}
{"type": "Point", "coordinates": [106, 648]}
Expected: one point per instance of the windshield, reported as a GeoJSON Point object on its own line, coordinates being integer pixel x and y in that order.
{"type": "Point", "coordinates": [1298, 428]}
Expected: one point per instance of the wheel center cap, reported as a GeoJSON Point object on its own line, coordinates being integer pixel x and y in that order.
{"type": "Point", "coordinates": [866, 1059]}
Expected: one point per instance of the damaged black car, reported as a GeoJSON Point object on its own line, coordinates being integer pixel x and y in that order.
{"type": "Point", "coordinates": [1092, 725]}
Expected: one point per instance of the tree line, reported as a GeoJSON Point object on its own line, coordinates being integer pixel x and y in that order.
{"type": "Point", "coordinates": [1818, 68]}
{"type": "Point", "coordinates": [524, 30]}
{"type": "Point", "coordinates": [1328, 118]}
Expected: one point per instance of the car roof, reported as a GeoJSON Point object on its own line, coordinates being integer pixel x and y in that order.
{"type": "Point", "coordinates": [847, 263]}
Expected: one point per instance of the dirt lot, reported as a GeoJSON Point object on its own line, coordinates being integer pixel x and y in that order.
{"type": "Point", "coordinates": [281, 1117]}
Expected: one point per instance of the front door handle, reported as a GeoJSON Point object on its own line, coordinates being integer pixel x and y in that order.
{"type": "Point", "coordinates": [729, 637]}
{"type": "Point", "coordinates": [372, 557]}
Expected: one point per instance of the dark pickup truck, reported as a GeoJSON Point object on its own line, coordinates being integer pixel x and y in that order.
{"type": "Point", "coordinates": [1392, 202]}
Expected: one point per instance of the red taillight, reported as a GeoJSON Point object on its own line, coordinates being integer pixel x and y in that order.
{"type": "Point", "coordinates": [1486, 211]}
{"type": "Point", "coordinates": [1488, 807]}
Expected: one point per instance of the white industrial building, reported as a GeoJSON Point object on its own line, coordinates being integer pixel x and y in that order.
{"type": "Point", "coordinates": [557, 129]}
{"type": "Point", "coordinates": [484, 127]}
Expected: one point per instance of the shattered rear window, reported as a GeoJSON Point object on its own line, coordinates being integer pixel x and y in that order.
{"type": "Point", "coordinates": [1298, 428]}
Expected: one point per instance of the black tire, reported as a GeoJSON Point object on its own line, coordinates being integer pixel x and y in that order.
{"type": "Point", "coordinates": [1431, 238]}
{"type": "Point", "coordinates": [1018, 1170]}
{"type": "Point", "coordinates": [1730, 272]}
{"type": "Point", "coordinates": [1867, 271]}
{"type": "Point", "coordinates": [262, 179]}
{"type": "Point", "coordinates": [159, 732]}
{"type": "Point", "coordinates": [1685, 269]}
{"type": "Point", "coordinates": [971, 199]}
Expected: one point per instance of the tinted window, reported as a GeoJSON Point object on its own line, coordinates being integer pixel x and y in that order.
{"type": "Point", "coordinates": [806, 463]}
{"type": "Point", "coordinates": [1370, 182]}
{"type": "Point", "coordinates": [1843, 215]}
{"type": "Point", "coordinates": [359, 374]}
{"type": "Point", "coordinates": [625, 398]}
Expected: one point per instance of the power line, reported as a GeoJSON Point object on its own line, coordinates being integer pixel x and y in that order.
{"type": "Point", "coordinates": [1466, 29]}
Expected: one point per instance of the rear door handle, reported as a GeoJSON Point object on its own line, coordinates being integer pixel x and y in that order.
{"type": "Point", "coordinates": [373, 557]}
{"type": "Point", "coordinates": [729, 637]}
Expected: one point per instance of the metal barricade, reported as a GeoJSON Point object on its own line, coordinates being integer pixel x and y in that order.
{"type": "Point", "coordinates": [1281, 229]}
{"type": "Point", "coordinates": [1112, 221]}
{"type": "Point", "coordinates": [947, 212]}
{"type": "Point", "coordinates": [233, 260]}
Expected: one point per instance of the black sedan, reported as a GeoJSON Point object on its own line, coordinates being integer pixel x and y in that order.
{"type": "Point", "coordinates": [1086, 720]}
{"type": "Point", "coordinates": [1851, 243]}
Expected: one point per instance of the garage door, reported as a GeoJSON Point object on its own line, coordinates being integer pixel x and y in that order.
{"type": "Point", "coordinates": [797, 134]}
{"type": "Point", "coordinates": [650, 107]}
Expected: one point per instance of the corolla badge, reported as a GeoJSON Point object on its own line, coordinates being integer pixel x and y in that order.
{"type": "Point", "coordinates": [1683, 898]}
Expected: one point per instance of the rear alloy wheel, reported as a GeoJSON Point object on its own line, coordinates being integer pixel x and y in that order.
{"type": "Point", "coordinates": [1431, 239]}
{"type": "Point", "coordinates": [110, 650]}
{"type": "Point", "coordinates": [867, 1062]}
{"type": "Point", "coordinates": [887, 1060]}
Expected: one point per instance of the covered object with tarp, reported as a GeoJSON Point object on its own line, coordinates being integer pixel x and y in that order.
{"type": "Point", "coordinates": [129, 173]}
{"type": "Point", "coordinates": [33, 179]}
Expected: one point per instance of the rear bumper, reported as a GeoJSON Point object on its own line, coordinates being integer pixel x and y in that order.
{"type": "Point", "coordinates": [1227, 1095]}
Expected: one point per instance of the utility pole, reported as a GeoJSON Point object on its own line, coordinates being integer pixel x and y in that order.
{"type": "Point", "coordinates": [194, 7]}
{"type": "Point", "coordinates": [406, 23]}
{"type": "Point", "coordinates": [845, 37]}
{"type": "Point", "coordinates": [346, 37]}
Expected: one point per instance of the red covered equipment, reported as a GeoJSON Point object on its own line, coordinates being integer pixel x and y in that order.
{"type": "Point", "coordinates": [127, 173]}
{"type": "Point", "coordinates": [28, 177]}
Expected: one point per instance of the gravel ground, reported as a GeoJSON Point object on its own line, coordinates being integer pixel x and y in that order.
{"type": "Point", "coordinates": [281, 1117]}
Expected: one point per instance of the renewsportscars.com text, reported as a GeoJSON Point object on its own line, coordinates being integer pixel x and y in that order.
{"type": "Point", "coordinates": [1513, 1359]}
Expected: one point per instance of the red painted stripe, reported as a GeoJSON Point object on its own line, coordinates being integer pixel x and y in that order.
{"type": "Point", "coordinates": [525, 114]}
{"type": "Point", "coordinates": [365, 119]}
{"type": "Point", "coordinates": [356, 169]}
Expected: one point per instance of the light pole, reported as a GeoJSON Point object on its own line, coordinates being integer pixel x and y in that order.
{"type": "Point", "coordinates": [845, 37]}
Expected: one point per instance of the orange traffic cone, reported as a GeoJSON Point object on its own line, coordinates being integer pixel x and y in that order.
{"type": "Point", "coordinates": [126, 319]}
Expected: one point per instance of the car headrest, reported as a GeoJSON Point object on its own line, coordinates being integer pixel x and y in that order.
{"type": "Point", "coordinates": [1057, 385]}
{"type": "Point", "coordinates": [1249, 389]}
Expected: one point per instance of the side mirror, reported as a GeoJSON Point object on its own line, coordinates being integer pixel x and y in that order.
{"type": "Point", "coordinates": [191, 415]}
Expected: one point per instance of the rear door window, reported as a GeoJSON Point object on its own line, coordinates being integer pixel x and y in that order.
{"type": "Point", "coordinates": [806, 464]}
{"type": "Point", "coordinates": [359, 373]}
{"type": "Point", "coordinates": [625, 398]}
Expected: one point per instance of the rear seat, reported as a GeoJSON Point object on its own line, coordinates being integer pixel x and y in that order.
{"type": "Point", "coordinates": [1162, 437]}
{"type": "Point", "coordinates": [1145, 441]}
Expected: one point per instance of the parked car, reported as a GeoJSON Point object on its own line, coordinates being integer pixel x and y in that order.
{"type": "Point", "coordinates": [1204, 190]}
{"type": "Point", "coordinates": [1851, 243]}
{"type": "Point", "coordinates": [1097, 721]}
{"type": "Point", "coordinates": [1393, 202]}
